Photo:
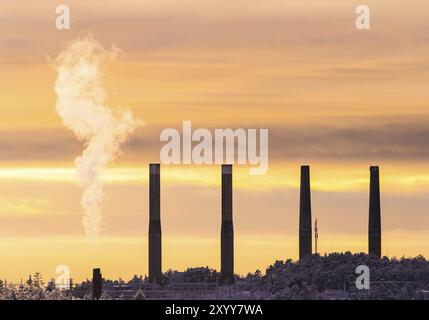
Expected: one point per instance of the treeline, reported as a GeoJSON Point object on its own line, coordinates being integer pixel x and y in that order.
{"type": "Point", "coordinates": [330, 276]}
{"type": "Point", "coordinates": [318, 277]}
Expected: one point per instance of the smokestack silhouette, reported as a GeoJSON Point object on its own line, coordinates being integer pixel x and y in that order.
{"type": "Point", "coordinates": [374, 226]}
{"type": "Point", "coordinates": [155, 245]}
{"type": "Point", "coordinates": [96, 284]}
{"type": "Point", "coordinates": [227, 229]}
{"type": "Point", "coordinates": [305, 243]}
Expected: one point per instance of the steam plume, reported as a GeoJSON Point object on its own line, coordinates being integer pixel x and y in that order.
{"type": "Point", "coordinates": [81, 105]}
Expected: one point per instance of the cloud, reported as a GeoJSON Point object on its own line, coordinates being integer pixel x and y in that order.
{"type": "Point", "coordinates": [38, 145]}
{"type": "Point", "coordinates": [404, 142]}
{"type": "Point", "coordinates": [18, 206]}
{"type": "Point", "coordinates": [252, 24]}
{"type": "Point", "coordinates": [194, 211]}
{"type": "Point", "coordinates": [395, 142]}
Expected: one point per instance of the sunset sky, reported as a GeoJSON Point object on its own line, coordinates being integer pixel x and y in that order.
{"type": "Point", "coordinates": [332, 97]}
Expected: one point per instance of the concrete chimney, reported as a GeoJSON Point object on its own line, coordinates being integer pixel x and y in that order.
{"type": "Point", "coordinates": [97, 286]}
{"type": "Point", "coordinates": [155, 244]}
{"type": "Point", "coordinates": [305, 243]}
{"type": "Point", "coordinates": [227, 229]}
{"type": "Point", "coordinates": [374, 226]}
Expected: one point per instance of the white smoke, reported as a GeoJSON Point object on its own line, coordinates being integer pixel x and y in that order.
{"type": "Point", "coordinates": [81, 105]}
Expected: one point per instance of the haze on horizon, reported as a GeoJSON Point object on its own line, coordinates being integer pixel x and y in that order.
{"type": "Point", "coordinates": [333, 97]}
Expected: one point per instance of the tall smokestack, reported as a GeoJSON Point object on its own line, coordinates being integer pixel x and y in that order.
{"type": "Point", "coordinates": [305, 243]}
{"type": "Point", "coordinates": [155, 264]}
{"type": "Point", "coordinates": [227, 229]}
{"type": "Point", "coordinates": [374, 226]}
{"type": "Point", "coordinates": [96, 284]}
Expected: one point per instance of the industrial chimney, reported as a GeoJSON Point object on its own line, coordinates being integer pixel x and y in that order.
{"type": "Point", "coordinates": [155, 264]}
{"type": "Point", "coordinates": [374, 226]}
{"type": "Point", "coordinates": [305, 243]}
{"type": "Point", "coordinates": [97, 286]}
{"type": "Point", "coordinates": [227, 229]}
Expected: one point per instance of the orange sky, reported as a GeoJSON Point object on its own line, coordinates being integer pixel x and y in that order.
{"type": "Point", "coordinates": [333, 97]}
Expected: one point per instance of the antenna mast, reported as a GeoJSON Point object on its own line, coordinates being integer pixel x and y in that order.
{"type": "Point", "coordinates": [316, 235]}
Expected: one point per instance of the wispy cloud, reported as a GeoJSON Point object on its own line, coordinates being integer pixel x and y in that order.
{"type": "Point", "coordinates": [396, 142]}
{"type": "Point", "coordinates": [17, 206]}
